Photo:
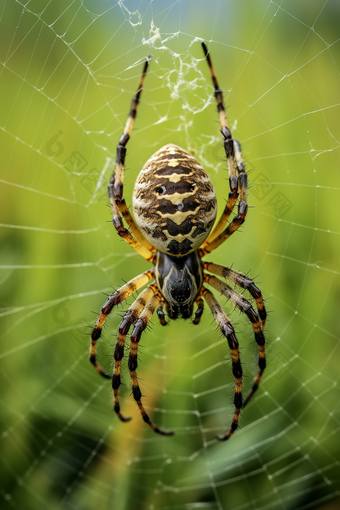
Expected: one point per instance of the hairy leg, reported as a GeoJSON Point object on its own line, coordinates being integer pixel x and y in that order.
{"type": "Point", "coordinates": [113, 300]}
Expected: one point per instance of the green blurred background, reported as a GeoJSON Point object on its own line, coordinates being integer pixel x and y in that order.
{"type": "Point", "coordinates": [68, 72]}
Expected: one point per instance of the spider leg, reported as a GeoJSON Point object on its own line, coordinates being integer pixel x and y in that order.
{"type": "Point", "coordinates": [139, 326]}
{"type": "Point", "coordinates": [242, 281]}
{"type": "Point", "coordinates": [115, 188]}
{"type": "Point", "coordinates": [244, 305]}
{"type": "Point", "coordinates": [161, 314]}
{"type": "Point", "coordinates": [118, 178]}
{"type": "Point", "coordinates": [129, 318]}
{"type": "Point", "coordinates": [123, 232]}
{"type": "Point", "coordinates": [113, 300]}
{"type": "Point", "coordinates": [237, 175]}
{"type": "Point", "coordinates": [124, 210]}
{"type": "Point", "coordinates": [256, 383]}
{"type": "Point", "coordinates": [228, 209]}
{"type": "Point", "coordinates": [231, 228]}
{"type": "Point", "coordinates": [227, 330]}
{"type": "Point", "coordinates": [199, 310]}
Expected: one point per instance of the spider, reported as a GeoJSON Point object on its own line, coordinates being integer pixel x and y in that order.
{"type": "Point", "coordinates": [175, 207]}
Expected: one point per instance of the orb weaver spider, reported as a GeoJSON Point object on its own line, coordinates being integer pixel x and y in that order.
{"type": "Point", "coordinates": [175, 207]}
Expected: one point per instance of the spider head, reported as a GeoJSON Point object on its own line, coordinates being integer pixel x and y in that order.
{"type": "Point", "coordinates": [179, 287]}
{"type": "Point", "coordinates": [178, 280]}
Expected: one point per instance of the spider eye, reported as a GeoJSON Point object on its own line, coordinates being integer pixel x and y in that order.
{"type": "Point", "coordinates": [161, 190]}
{"type": "Point", "coordinates": [180, 292]}
{"type": "Point", "coordinates": [192, 187]}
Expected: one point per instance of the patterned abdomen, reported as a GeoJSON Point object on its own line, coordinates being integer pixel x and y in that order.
{"type": "Point", "coordinates": [174, 201]}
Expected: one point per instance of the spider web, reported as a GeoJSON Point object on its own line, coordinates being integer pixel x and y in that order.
{"type": "Point", "coordinates": [68, 73]}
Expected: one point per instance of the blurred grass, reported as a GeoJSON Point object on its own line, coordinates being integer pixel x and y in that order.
{"type": "Point", "coordinates": [61, 445]}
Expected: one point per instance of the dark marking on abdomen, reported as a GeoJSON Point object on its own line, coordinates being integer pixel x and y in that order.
{"type": "Point", "coordinates": [176, 248]}
{"type": "Point", "coordinates": [167, 207]}
{"type": "Point", "coordinates": [174, 230]}
{"type": "Point", "coordinates": [169, 170]}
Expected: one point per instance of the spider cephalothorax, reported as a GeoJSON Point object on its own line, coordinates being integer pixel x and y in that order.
{"type": "Point", "coordinates": [175, 207]}
{"type": "Point", "coordinates": [179, 280]}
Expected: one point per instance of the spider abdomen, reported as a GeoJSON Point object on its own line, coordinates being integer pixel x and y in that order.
{"type": "Point", "coordinates": [174, 201]}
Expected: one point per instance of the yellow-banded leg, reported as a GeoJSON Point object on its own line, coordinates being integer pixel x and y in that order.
{"type": "Point", "coordinates": [244, 305]}
{"type": "Point", "coordinates": [242, 281]}
{"type": "Point", "coordinates": [129, 318]}
{"type": "Point", "coordinates": [118, 178]}
{"type": "Point", "coordinates": [237, 175]}
{"type": "Point", "coordinates": [124, 232]}
{"type": "Point", "coordinates": [232, 199]}
{"type": "Point", "coordinates": [124, 210]}
{"type": "Point", "coordinates": [242, 179]}
{"type": "Point", "coordinates": [231, 228]}
{"type": "Point", "coordinates": [262, 361]}
{"type": "Point", "coordinates": [139, 326]}
{"type": "Point", "coordinates": [118, 205]}
{"type": "Point", "coordinates": [227, 330]}
{"type": "Point", "coordinates": [113, 300]}
{"type": "Point", "coordinates": [199, 310]}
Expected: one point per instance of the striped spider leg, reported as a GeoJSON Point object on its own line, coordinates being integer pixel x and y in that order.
{"type": "Point", "coordinates": [228, 331]}
{"type": "Point", "coordinates": [118, 205]}
{"type": "Point", "coordinates": [257, 321]}
{"type": "Point", "coordinates": [139, 314]}
{"type": "Point", "coordinates": [238, 191]}
{"type": "Point", "coordinates": [237, 176]}
{"type": "Point", "coordinates": [113, 300]}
